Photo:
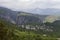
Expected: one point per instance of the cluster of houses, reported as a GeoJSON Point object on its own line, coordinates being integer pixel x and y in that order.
{"type": "Point", "coordinates": [37, 27]}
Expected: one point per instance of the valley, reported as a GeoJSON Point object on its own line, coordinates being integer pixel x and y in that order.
{"type": "Point", "coordinates": [17, 25]}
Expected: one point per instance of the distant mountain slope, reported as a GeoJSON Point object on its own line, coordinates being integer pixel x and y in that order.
{"type": "Point", "coordinates": [24, 17]}
{"type": "Point", "coordinates": [52, 18]}
{"type": "Point", "coordinates": [47, 11]}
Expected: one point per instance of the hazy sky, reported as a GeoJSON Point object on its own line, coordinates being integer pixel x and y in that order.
{"type": "Point", "coordinates": [30, 4]}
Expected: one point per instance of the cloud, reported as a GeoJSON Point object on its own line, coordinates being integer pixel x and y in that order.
{"type": "Point", "coordinates": [30, 4]}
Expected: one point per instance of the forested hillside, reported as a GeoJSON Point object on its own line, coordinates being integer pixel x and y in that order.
{"type": "Point", "coordinates": [9, 31]}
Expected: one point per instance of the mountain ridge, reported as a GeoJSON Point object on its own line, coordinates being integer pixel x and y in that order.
{"type": "Point", "coordinates": [12, 15]}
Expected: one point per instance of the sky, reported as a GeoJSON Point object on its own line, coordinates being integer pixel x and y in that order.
{"type": "Point", "coordinates": [30, 4]}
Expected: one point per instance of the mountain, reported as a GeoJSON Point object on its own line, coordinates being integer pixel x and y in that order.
{"type": "Point", "coordinates": [47, 11]}
{"type": "Point", "coordinates": [29, 18]}
{"type": "Point", "coordinates": [41, 24]}
{"type": "Point", "coordinates": [52, 18]}
{"type": "Point", "coordinates": [7, 14]}
{"type": "Point", "coordinates": [23, 17]}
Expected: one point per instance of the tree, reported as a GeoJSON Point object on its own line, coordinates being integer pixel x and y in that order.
{"type": "Point", "coordinates": [3, 31]}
